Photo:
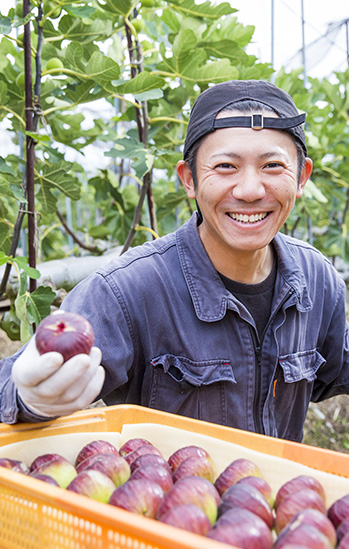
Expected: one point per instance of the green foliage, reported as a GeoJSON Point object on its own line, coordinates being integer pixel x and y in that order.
{"type": "Point", "coordinates": [28, 308]}
{"type": "Point", "coordinates": [321, 214]}
{"type": "Point", "coordinates": [32, 307]}
{"type": "Point", "coordinates": [141, 78]}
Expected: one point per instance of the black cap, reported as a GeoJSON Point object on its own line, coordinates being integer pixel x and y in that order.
{"type": "Point", "coordinates": [210, 102]}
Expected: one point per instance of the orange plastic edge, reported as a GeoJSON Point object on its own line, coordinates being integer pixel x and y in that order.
{"type": "Point", "coordinates": [112, 418]}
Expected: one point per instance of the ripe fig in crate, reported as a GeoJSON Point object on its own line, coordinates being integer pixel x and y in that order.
{"type": "Point", "coordinates": [296, 484]}
{"type": "Point", "coordinates": [196, 490]}
{"type": "Point", "coordinates": [242, 528]}
{"type": "Point", "coordinates": [261, 484]}
{"type": "Point", "coordinates": [295, 502]}
{"type": "Point", "coordinates": [133, 444]}
{"type": "Point", "coordinates": [112, 465]}
{"type": "Point", "coordinates": [15, 465]}
{"type": "Point", "coordinates": [93, 448]}
{"type": "Point", "coordinates": [93, 484]}
{"type": "Point", "coordinates": [199, 466]}
{"type": "Point", "coordinates": [344, 542]}
{"type": "Point", "coordinates": [140, 496]}
{"type": "Point", "coordinates": [55, 466]}
{"type": "Point", "coordinates": [140, 451]}
{"type": "Point", "coordinates": [44, 459]}
{"type": "Point", "coordinates": [315, 518]}
{"type": "Point", "coordinates": [149, 459]}
{"type": "Point", "coordinates": [155, 473]}
{"type": "Point", "coordinates": [339, 510]}
{"type": "Point", "coordinates": [342, 529]}
{"type": "Point", "coordinates": [185, 452]}
{"type": "Point", "coordinates": [236, 470]}
{"type": "Point", "coordinates": [44, 478]}
{"type": "Point", "coordinates": [246, 497]}
{"type": "Point", "coordinates": [305, 535]}
{"type": "Point", "coordinates": [188, 516]}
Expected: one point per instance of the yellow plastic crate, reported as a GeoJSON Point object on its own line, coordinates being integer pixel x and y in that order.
{"type": "Point", "coordinates": [36, 515]}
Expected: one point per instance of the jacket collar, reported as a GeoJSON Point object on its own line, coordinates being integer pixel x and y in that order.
{"type": "Point", "coordinates": [205, 286]}
{"type": "Point", "coordinates": [209, 295]}
{"type": "Point", "coordinates": [289, 268]}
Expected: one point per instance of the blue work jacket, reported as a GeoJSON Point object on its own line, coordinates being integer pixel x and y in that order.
{"type": "Point", "coordinates": [175, 339]}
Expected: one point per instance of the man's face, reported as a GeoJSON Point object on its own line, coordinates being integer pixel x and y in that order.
{"type": "Point", "coordinates": [246, 188]}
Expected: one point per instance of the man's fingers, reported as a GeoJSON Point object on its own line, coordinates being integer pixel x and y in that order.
{"type": "Point", "coordinates": [69, 381]}
{"type": "Point", "coordinates": [50, 387]}
{"type": "Point", "coordinates": [85, 397]}
{"type": "Point", "coordinates": [96, 355]}
{"type": "Point", "coordinates": [31, 368]}
{"type": "Point", "coordinates": [92, 389]}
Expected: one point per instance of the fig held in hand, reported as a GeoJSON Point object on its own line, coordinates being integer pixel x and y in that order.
{"type": "Point", "coordinates": [67, 333]}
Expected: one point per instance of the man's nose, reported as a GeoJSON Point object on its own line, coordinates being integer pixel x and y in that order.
{"type": "Point", "coordinates": [249, 186]}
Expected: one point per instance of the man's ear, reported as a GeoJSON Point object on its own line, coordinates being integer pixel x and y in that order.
{"type": "Point", "coordinates": [305, 175]}
{"type": "Point", "coordinates": [186, 177]}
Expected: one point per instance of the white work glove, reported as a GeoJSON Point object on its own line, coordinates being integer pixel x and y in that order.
{"type": "Point", "coordinates": [50, 388]}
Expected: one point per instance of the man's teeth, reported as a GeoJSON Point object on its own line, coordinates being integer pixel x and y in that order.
{"type": "Point", "coordinates": [243, 218]}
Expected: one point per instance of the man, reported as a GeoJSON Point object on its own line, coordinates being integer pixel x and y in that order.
{"type": "Point", "coordinates": [225, 320]}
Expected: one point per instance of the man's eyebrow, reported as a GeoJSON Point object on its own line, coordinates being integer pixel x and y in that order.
{"type": "Point", "coordinates": [271, 154]}
{"type": "Point", "coordinates": [266, 155]}
{"type": "Point", "coordinates": [229, 154]}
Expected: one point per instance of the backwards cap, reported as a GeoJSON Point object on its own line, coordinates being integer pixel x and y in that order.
{"type": "Point", "coordinates": [210, 102]}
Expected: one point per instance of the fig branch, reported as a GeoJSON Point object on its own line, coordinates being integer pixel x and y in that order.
{"type": "Point", "coordinates": [138, 212]}
{"type": "Point", "coordinates": [292, 230]}
{"type": "Point", "coordinates": [142, 125]}
{"type": "Point", "coordinates": [93, 249]}
{"type": "Point", "coordinates": [13, 247]}
{"type": "Point", "coordinates": [14, 114]}
{"type": "Point", "coordinates": [37, 84]}
{"type": "Point", "coordinates": [31, 123]}
{"type": "Point", "coordinates": [346, 208]}
{"type": "Point", "coordinates": [76, 103]}
{"type": "Point", "coordinates": [130, 48]}
{"type": "Point", "coordinates": [151, 205]}
{"type": "Point", "coordinates": [30, 157]}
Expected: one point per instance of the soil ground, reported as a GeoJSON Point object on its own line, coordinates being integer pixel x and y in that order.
{"type": "Point", "coordinates": [326, 426]}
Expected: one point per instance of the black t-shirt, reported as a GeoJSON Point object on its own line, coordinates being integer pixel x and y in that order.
{"type": "Point", "coordinates": [257, 298]}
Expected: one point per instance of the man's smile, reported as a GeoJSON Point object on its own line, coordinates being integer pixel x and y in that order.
{"type": "Point", "coordinates": [244, 218]}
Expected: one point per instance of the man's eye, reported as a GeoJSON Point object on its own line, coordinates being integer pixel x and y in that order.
{"type": "Point", "coordinates": [225, 165]}
{"type": "Point", "coordinates": [274, 165]}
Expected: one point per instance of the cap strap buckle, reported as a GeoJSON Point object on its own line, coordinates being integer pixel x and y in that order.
{"type": "Point", "coordinates": [257, 122]}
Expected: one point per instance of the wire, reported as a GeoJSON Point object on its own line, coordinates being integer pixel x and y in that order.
{"type": "Point", "coordinates": [317, 50]}
{"type": "Point", "coordinates": [320, 33]}
{"type": "Point", "coordinates": [299, 17]}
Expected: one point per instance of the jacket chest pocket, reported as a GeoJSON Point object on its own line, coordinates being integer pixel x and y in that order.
{"type": "Point", "coordinates": [292, 390]}
{"type": "Point", "coordinates": [301, 366]}
{"type": "Point", "coordinates": [195, 389]}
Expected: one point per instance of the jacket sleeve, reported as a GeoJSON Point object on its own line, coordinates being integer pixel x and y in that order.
{"type": "Point", "coordinates": [9, 409]}
{"type": "Point", "coordinates": [333, 375]}
{"type": "Point", "coordinates": [98, 301]}
{"type": "Point", "coordinates": [12, 410]}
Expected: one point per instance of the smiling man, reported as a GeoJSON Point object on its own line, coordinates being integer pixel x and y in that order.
{"type": "Point", "coordinates": [247, 187]}
{"type": "Point", "coordinates": [226, 320]}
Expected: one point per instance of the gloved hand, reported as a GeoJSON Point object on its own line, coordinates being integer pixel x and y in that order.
{"type": "Point", "coordinates": [49, 388]}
